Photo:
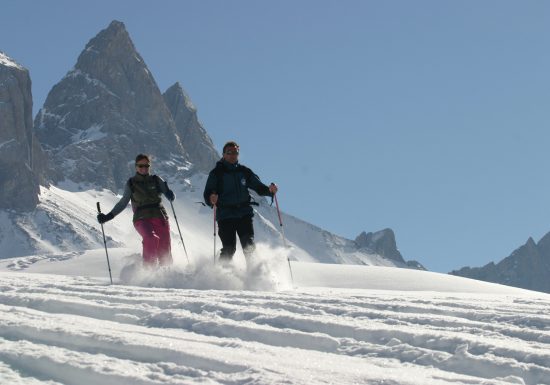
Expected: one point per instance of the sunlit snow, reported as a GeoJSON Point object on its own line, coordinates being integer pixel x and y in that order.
{"type": "Point", "coordinates": [247, 322]}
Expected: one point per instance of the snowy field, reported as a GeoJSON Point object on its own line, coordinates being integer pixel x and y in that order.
{"type": "Point", "coordinates": [62, 323]}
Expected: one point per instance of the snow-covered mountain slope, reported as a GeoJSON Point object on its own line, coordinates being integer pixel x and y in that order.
{"type": "Point", "coordinates": [338, 324]}
{"type": "Point", "coordinates": [65, 220]}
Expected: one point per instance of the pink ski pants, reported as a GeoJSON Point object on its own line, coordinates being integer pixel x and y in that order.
{"type": "Point", "coordinates": [156, 240]}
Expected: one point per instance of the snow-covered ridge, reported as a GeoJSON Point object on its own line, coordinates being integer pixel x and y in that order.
{"type": "Point", "coordinates": [65, 221]}
{"type": "Point", "coordinates": [9, 62]}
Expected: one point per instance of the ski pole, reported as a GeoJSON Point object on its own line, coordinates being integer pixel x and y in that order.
{"type": "Point", "coordinates": [179, 231]}
{"type": "Point", "coordinates": [283, 235]}
{"type": "Point", "coordinates": [214, 234]}
{"type": "Point", "coordinates": [178, 225]}
{"type": "Point", "coordinates": [105, 243]}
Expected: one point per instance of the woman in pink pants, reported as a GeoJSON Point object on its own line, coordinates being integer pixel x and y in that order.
{"type": "Point", "coordinates": [150, 218]}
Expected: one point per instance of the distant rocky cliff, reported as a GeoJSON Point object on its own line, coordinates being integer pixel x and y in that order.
{"type": "Point", "coordinates": [527, 267]}
{"type": "Point", "coordinates": [383, 243]}
{"type": "Point", "coordinates": [21, 158]}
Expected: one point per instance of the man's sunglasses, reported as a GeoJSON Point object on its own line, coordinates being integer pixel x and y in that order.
{"type": "Point", "coordinates": [232, 152]}
{"type": "Point", "coordinates": [143, 165]}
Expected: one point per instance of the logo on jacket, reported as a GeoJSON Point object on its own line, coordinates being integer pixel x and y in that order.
{"type": "Point", "coordinates": [243, 181]}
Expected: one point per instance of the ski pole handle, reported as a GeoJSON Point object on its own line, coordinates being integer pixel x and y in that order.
{"type": "Point", "coordinates": [98, 208]}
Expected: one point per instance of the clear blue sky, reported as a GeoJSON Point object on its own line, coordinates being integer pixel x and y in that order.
{"type": "Point", "coordinates": [429, 117]}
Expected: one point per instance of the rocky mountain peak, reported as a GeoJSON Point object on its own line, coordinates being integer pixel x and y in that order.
{"type": "Point", "coordinates": [527, 267]}
{"type": "Point", "coordinates": [529, 248]}
{"type": "Point", "coordinates": [381, 242]}
{"type": "Point", "coordinates": [21, 158]}
{"type": "Point", "coordinates": [105, 111]}
{"type": "Point", "coordinates": [177, 93]}
{"type": "Point", "coordinates": [115, 33]}
{"type": "Point", "coordinates": [531, 243]}
{"type": "Point", "coordinates": [110, 54]}
{"type": "Point", "coordinates": [194, 137]}
{"type": "Point", "coordinates": [544, 247]}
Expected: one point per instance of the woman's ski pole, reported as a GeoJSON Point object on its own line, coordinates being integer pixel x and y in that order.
{"type": "Point", "coordinates": [105, 243]}
{"type": "Point", "coordinates": [283, 234]}
{"type": "Point", "coordinates": [179, 231]}
{"type": "Point", "coordinates": [178, 225]}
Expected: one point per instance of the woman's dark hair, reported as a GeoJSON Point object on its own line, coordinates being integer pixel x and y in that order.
{"type": "Point", "coordinates": [230, 144]}
{"type": "Point", "coordinates": [141, 157]}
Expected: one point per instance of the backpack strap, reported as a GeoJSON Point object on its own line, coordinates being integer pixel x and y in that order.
{"type": "Point", "coordinates": [219, 171]}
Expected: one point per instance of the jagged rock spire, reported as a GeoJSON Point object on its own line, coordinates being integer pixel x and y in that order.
{"type": "Point", "coordinates": [105, 111]}
{"type": "Point", "coordinates": [527, 267]}
{"type": "Point", "coordinates": [381, 242]}
{"type": "Point", "coordinates": [194, 137]}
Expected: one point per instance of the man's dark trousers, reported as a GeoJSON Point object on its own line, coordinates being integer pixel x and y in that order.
{"type": "Point", "coordinates": [228, 229]}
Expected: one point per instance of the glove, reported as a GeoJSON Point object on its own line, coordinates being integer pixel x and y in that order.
{"type": "Point", "coordinates": [102, 218]}
{"type": "Point", "coordinates": [170, 195]}
{"type": "Point", "coordinates": [273, 188]}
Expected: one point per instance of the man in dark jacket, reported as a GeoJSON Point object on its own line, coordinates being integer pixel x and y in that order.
{"type": "Point", "coordinates": [227, 189]}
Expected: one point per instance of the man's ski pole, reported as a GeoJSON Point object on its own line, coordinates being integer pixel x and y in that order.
{"type": "Point", "coordinates": [283, 234]}
{"type": "Point", "coordinates": [105, 243]}
{"type": "Point", "coordinates": [178, 225]}
{"type": "Point", "coordinates": [214, 234]}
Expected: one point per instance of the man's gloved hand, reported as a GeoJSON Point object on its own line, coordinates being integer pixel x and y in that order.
{"type": "Point", "coordinates": [170, 195]}
{"type": "Point", "coordinates": [214, 199]}
{"type": "Point", "coordinates": [102, 218]}
{"type": "Point", "coordinates": [273, 188]}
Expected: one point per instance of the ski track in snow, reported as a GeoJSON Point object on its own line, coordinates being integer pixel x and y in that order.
{"type": "Point", "coordinates": [77, 330]}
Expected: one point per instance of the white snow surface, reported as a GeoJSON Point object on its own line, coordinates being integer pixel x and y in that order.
{"type": "Point", "coordinates": [61, 322]}
{"type": "Point", "coordinates": [247, 322]}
